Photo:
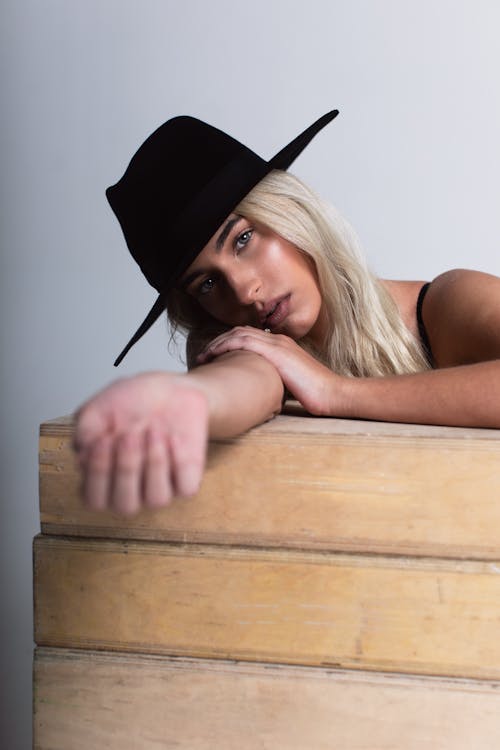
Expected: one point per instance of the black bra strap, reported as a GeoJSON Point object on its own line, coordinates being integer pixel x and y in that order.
{"type": "Point", "coordinates": [421, 327]}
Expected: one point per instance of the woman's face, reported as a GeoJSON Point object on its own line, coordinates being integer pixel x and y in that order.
{"type": "Point", "coordinates": [248, 275]}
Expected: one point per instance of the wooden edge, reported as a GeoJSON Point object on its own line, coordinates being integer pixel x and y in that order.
{"type": "Point", "coordinates": [305, 424]}
{"type": "Point", "coordinates": [59, 426]}
{"type": "Point", "coordinates": [186, 663]}
{"type": "Point", "coordinates": [116, 529]}
{"type": "Point", "coordinates": [246, 552]}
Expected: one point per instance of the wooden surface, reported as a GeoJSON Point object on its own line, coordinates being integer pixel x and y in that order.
{"type": "Point", "coordinates": [347, 564]}
{"type": "Point", "coordinates": [89, 700]}
{"type": "Point", "coordinates": [312, 483]}
{"type": "Point", "coordinates": [367, 612]}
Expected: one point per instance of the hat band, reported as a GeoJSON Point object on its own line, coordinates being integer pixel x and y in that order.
{"type": "Point", "coordinates": [217, 199]}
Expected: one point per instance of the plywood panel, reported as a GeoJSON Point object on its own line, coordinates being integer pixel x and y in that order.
{"type": "Point", "coordinates": [96, 700]}
{"type": "Point", "coordinates": [368, 612]}
{"type": "Point", "coordinates": [314, 484]}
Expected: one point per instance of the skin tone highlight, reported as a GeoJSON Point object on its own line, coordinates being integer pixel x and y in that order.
{"type": "Point", "coordinates": [248, 275]}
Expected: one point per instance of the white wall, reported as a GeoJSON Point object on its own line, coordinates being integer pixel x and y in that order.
{"type": "Point", "coordinates": [413, 161]}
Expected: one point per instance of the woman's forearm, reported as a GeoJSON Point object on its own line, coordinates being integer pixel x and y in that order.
{"type": "Point", "coordinates": [242, 390]}
{"type": "Point", "coordinates": [466, 396]}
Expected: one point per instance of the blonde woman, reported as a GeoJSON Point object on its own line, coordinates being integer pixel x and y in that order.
{"type": "Point", "coordinates": [269, 285]}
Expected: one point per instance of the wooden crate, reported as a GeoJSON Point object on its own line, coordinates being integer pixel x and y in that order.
{"type": "Point", "coordinates": [334, 583]}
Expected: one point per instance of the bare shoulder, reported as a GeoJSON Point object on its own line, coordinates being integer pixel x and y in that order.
{"type": "Point", "coordinates": [461, 313]}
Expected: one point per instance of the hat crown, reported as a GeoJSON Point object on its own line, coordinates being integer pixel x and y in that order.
{"type": "Point", "coordinates": [166, 174]}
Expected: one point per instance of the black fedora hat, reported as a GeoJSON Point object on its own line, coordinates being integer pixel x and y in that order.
{"type": "Point", "coordinates": [179, 187]}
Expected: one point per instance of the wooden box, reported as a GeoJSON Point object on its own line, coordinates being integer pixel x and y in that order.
{"type": "Point", "coordinates": [334, 583]}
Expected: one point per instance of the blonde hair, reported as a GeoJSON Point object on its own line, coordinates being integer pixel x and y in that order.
{"type": "Point", "coordinates": [366, 335]}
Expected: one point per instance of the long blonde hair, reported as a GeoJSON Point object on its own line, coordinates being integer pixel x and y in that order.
{"type": "Point", "coordinates": [366, 335]}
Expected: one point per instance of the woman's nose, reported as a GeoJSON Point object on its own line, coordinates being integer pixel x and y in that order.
{"type": "Point", "coordinates": [246, 287]}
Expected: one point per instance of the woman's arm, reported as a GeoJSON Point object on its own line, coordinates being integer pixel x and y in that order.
{"type": "Point", "coordinates": [462, 315]}
{"type": "Point", "coordinates": [242, 390]}
{"type": "Point", "coordinates": [142, 439]}
{"type": "Point", "coordinates": [462, 396]}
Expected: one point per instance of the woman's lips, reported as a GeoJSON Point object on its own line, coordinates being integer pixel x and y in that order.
{"type": "Point", "coordinates": [278, 315]}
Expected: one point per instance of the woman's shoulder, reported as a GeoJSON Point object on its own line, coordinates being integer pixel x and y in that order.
{"type": "Point", "coordinates": [463, 280]}
{"type": "Point", "coordinates": [458, 285]}
{"type": "Point", "coordinates": [460, 291]}
{"type": "Point", "coordinates": [461, 313]}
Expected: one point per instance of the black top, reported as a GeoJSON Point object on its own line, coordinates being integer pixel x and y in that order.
{"type": "Point", "coordinates": [421, 327]}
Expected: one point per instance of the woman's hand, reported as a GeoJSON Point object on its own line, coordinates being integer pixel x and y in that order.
{"type": "Point", "coordinates": [141, 441]}
{"type": "Point", "coordinates": [309, 381]}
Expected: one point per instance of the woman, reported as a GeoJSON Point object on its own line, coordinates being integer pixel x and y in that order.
{"type": "Point", "coordinates": [270, 287]}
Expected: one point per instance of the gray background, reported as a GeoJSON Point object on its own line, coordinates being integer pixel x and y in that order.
{"type": "Point", "coordinates": [413, 161]}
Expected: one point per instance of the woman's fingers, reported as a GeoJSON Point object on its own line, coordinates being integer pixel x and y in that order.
{"type": "Point", "coordinates": [90, 426]}
{"type": "Point", "coordinates": [125, 493]}
{"type": "Point", "coordinates": [135, 469]}
{"type": "Point", "coordinates": [97, 474]}
{"type": "Point", "coordinates": [188, 461]}
{"type": "Point", "coordinates": [242, 337]}
{"type": "Point", "coordinates": [156, 483]}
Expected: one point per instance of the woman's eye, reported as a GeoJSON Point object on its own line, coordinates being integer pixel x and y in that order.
{"type": "Point", "coordinates": [243, 238]}
{"type": "Point", "coordinates": [206, 287]}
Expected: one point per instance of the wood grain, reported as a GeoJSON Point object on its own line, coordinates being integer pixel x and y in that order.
{"type": "Point", "coordinates": [97, 700]}
{"type": "Point", "coordinates": [312, 483]}
{"type": "Point", "coordinates": [396, 614]}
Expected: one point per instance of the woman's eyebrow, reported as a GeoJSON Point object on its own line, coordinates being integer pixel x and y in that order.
{"type": "Point", "coordinates": [188, 280]}
{"type": "Point", "coordinates": [219, 243]}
